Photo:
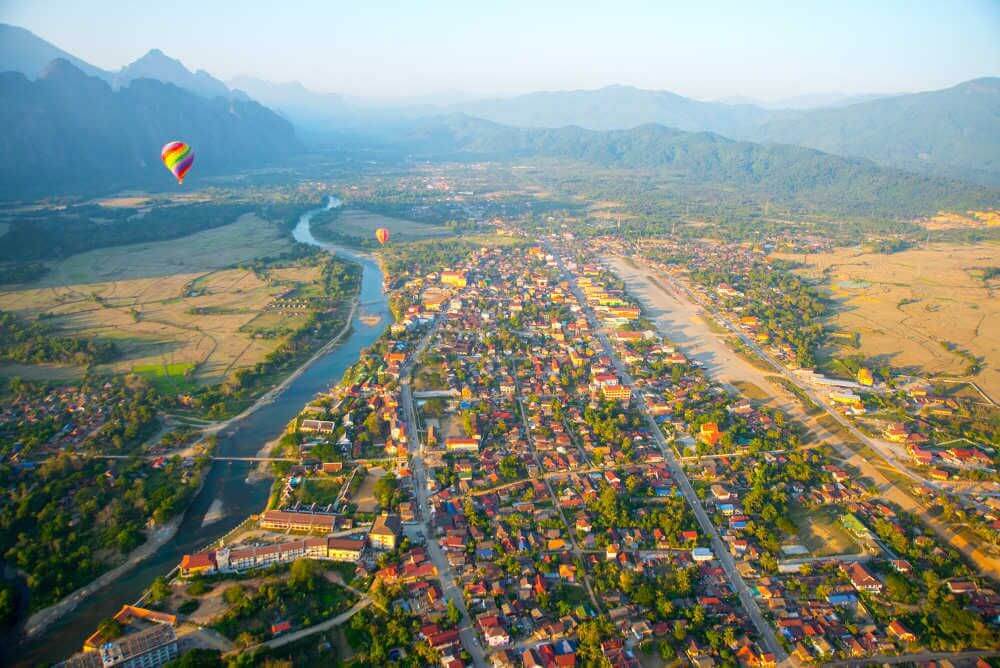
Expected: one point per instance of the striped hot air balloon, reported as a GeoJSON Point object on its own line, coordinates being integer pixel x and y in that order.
{"type": "Point", "coordinates": [178, 158]}
{"type": "Point", "coordinates": [382, 235]}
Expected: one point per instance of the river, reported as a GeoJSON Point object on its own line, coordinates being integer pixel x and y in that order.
{"type": "Point", "coordinates": [226, 495]}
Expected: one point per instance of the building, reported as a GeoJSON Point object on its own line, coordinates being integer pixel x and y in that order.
{"type": "Point", "coordinates": [454, 278]}
{"type": "Point", "coordinates": [461, 444]}
{"type": "Point", "coordinates": [345, 549]}
{"type": "Point", "coordinates": [227, 560]}
{"type": "Point", "coordinates": [318, 426]}
{"type": "Point", "coordinates": [150, 647]}
{"type": "Point", "coordinates": [862, 579]}
{"type": "Point", "coordinates": [130, 617]}
{"type": "Point", "coordinates": [385, 532]}
{"type": "Point", "coordinates": [709, 433]}
{"type": "Point", "coordinates": [283, 520]}
{"type": "Point", "coordinates": [198, 563]}
{"type": "Point", "coordinates": [616, 393]}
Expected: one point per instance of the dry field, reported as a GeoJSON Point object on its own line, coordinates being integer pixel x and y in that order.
{"type": "Point", "coordinates": [170, 305]}
{"type": "Point", "coordinates": [970, 219]}
{"type": "Point", "coordinates": [362, 224]}
{"type": "Point", "coordinates": [821, 532]}
{"type": "Point", "coordinates": [906, 305]}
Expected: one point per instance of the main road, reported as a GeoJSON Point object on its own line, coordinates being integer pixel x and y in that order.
{"type": "Point", "coordinates": [764, 629]}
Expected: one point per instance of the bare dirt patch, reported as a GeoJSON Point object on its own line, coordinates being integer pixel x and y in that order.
{"type": "Point", "coordinates": [365, 497]}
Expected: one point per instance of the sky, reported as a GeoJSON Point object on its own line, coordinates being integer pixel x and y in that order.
{"type": "Point", "coordinates": [707, 50]}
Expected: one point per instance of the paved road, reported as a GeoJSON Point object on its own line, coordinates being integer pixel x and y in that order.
{"type": "Point", "coordinates": [764, 629]}
{"type": "Point", "coordinates": [467, 632]}
{"type": "Point", "coordinates": [987, 564]}
{"type": "Point", "coordinates": [318, 628]}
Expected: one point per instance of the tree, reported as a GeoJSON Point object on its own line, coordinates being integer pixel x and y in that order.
{"type": "Point", "coordinates": [233, 594]}
{"type": "Point", "coordinates": [384, 490]}
{"type": "Point", "coordinates": [110, 629]}
{"type": "Point", "coordinates": [159, 591]}
{"type": "Point", "coordinates": [453, 615]}
{"type": "Point", "coordinates": [198, 658]}
{"type": "Point", "coordinates": [303, 574]}
{"type": "Point", "coordinates": [8, 604]}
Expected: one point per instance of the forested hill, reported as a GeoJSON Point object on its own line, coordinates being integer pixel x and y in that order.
{"type": "Point", "coordinates": [68, 132]}
{"type": "Point", "coordinates": [951, 133]}
{"type": "Point", "coordinates": [805, 177]}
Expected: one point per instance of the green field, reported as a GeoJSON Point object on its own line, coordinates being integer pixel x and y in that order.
{"type": "Point", "coordinates": [168, 378]}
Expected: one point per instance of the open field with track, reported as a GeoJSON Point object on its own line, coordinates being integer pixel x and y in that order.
{"type": "Point", "coordinates": [179, 310]}
{"type": "Point", "coordinates": [910, 307]}
{"type": "Point", "coordinates": [362, 224]}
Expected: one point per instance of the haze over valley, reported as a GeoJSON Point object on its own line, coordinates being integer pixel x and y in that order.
{"type": "Point", "coordinates": [499, 336]}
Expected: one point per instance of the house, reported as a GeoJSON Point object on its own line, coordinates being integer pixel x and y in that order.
{"type": "Point", "coordinates": [496, 636]}
{"type": "Point", "coordinates": [897, 630]}
{"type": "Point", "coordinates": [862, 579]}
{"type": "Point", "coordinates": [199, 563]}
{"type": "Point", "coordinates": [385, 532]}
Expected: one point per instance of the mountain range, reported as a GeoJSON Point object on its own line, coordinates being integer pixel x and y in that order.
{"type": "Point", "coordinates": [67, 132]}
{"type": "Point", "coordinates": [952, 133]}
{"type": "Point", "coordinates": [803, 178]}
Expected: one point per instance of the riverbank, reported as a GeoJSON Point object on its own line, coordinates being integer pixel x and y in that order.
{"type": "Point", "coordinates": [234, 489]}
{"type": "Point", "coordinates": [45, 617]}
{"type": "Point", "coordinates": [274, 392]}
{"type": "Point", "coordinates": [42, 619]}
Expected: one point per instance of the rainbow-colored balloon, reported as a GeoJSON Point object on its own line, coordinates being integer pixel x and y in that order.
{"type": "Point", "coordinates": [178, 157]}
{"type": "Point", "coordinates": [382, 235]}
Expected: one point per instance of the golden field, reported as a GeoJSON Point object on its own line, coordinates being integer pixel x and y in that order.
{"type": "Point", "coordinates": [905, 305]}
{"type": "Point", "coordinates": [170, 305]}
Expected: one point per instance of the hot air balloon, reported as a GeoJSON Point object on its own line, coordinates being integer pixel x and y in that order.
{"type": "Point", "coordinates": [382, 235]}
{"type": "Point", "coordinates": [178, 157]}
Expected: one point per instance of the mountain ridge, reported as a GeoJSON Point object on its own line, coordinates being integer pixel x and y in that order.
{"type": "Point", "coordinates": [70, 133]}
{"type": "Point", "coordinates": [788, 173]}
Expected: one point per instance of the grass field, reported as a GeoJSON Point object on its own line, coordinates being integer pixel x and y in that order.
{"type": "Point", "coordinates": [171, 378]}
{"type": "Point", "coordinates": [176, 312]}
{"type": "Point", "coordinates": [907, 305]}
{"type": "Point", "coordinates": [362, 224]}
{"type": "Point", "coordinates": [320, 490]}
{"type": "Point", "coordinates": [820, 531]}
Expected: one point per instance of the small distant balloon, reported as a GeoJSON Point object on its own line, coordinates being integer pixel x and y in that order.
{"type": "Point", "coordinates": [178, 158]}
{"type": "Point", "coordinates": [382, 235]}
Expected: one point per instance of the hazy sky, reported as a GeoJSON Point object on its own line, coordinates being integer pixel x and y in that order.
{"type": "Point", "coordinates": [707, 50]}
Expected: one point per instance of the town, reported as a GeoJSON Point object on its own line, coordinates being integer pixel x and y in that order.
{"type": "Point", "coordinates": [524, 471]}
